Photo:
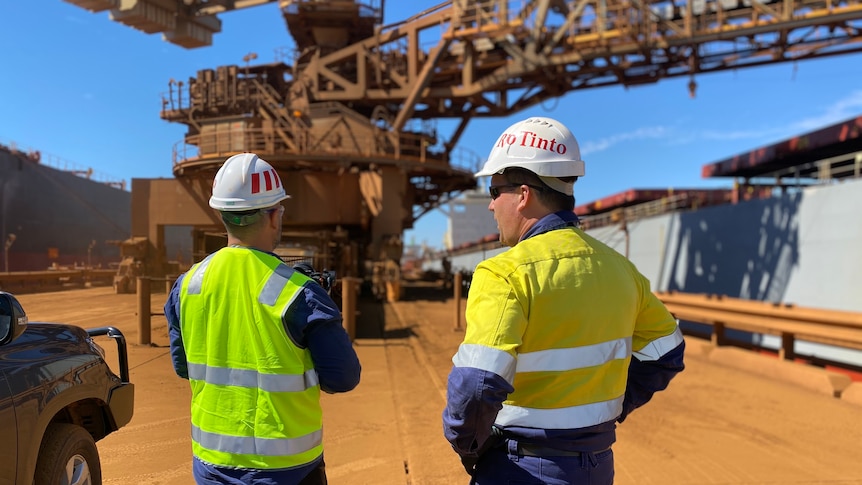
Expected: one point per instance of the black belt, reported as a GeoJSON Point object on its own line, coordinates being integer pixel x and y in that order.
{"type": "Point", "coordinates": [527, 449]}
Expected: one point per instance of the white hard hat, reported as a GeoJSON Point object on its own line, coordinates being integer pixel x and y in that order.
{"type": "Point", "coordinates": [246, 182]}
{"type": "Point", "coordinates": [543, 146]}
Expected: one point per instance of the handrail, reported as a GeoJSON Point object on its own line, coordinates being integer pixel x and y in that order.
{"type": "Point", "coordinates": [17, 281]}
{"type": "Point", "coordinates": [836, 328]}
{"type": "Point", "coordinates": [217, 144]}
{"type": "Point", "coordinates": [784, 311]}
{"type": "Point", "coordinates": [670, 203]}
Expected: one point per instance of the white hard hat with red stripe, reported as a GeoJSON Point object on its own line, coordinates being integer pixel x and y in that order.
{"type": "Point", "coordinates": [246, 182]}
{"type": "Point", "coordinates": [541, 145]}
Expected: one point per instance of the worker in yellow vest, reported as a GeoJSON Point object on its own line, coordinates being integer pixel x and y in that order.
{"type": "Point", "coordinates": [258, 341]}
{"type": "Point", "coordinates": [563, 337]}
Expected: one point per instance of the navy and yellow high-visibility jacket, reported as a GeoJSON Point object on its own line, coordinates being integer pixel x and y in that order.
{"type": "Point", "coordinates": [563, 339]}
{"type": "Point", "coordinates": [255, 394]}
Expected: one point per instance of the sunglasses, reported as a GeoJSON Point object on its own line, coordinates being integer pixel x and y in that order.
{"type": "Point", "coordinates": [496, 190]}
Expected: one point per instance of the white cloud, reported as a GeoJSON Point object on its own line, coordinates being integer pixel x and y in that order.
{"type": "Point", "coordinates": [841, 110]}
{"type": "Point", "coordinates": [594, 146]}
{"type": "Point", "coordinates": [716, 135]}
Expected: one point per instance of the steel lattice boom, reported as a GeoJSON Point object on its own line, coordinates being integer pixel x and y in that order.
{"type": "Point", "coordinates": [353, 106]}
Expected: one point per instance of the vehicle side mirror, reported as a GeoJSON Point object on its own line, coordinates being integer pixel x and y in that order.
{"type": "Point", "coordinates": [13, 320]}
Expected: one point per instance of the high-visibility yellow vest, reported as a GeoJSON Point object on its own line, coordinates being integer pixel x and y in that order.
{"type": "Point", "coordinates": [255, 394]}
{"type": "Point", "coordinates": [559, 316]}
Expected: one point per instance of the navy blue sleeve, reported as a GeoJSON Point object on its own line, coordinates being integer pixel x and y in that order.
{"type": "Point", "coordinates": [645, 378]}
{"type": "Point", "coordinates": [172, 314]}
{"type": "Point", "coordinates": [313, 321]}
{"type": "Point", "coordinates": [473, 399]}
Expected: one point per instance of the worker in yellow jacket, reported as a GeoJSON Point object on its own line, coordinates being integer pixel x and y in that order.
{"type": "Point", "coordinates": [564, 337]}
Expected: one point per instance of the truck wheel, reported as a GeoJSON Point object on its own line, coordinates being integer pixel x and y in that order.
{"type": "Point", "coordinates": [68, 456]}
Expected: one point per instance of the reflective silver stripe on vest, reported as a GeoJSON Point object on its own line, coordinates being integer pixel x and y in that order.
{"type": "Point", "coordinates": [660, 346]}
{"type": "Point", "coordinates": [563, 418]}
{"type": "Point", "coordinates": [197, 279]}
{"type": "Point", "coordinates": [250, 445]}
{"type": "Point", "coordinates": [253, 379]}
{"type": "Point", "coordinates": [275, 285]}
{"type": "Point", "coordinates": [501, 363]}
{"type": "Point", "coordinates": [574, 358]}
{"type": "Point", "coordinates": [486, 358]}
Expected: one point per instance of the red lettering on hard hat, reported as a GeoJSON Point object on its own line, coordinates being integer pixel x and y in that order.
{"type": "Point", "coordinates": [277, 180]}
{"type": "Point", "coordinates": [268, 179]}
{"type": "Point", "coordinates": [255, 183]}
{"type": "Point", "coordinates": [506, 139]}
{"type": "Point", "coordinates": [529, 139]}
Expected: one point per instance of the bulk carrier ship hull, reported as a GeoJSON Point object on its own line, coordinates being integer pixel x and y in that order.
{"type": "Point", "coordinates": [51, 218]}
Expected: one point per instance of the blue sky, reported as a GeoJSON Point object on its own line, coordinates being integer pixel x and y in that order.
{"type": "Point", "coordinates": [86, 92]}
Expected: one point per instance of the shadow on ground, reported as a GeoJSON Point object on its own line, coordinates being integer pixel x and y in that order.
{"type": "Point", "coordinates": [424, 290]}
{"type": "Point", "coordinates": [371, 322]}
{"type": "Point", "coordinates": [371, 319]}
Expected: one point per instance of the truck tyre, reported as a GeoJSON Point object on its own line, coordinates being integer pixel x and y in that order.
{"type": "Point", "coordinates": [68, 456]}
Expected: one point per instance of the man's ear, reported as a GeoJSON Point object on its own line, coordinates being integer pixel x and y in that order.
{"type": "Point", "coordinates": [274, 216]}
{"type": "Point", "coordinates": [525, 194]}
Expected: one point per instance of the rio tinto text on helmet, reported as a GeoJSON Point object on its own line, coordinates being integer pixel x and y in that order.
{"type": "Point", "coordinates": [529, 139]}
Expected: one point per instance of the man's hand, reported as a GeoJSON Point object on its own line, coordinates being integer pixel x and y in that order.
{"type": "Point", "coordinates": [469, 462]}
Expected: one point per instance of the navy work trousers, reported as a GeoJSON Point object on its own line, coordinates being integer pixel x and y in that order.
{"type": "Point", "coordinates": [504, 466]}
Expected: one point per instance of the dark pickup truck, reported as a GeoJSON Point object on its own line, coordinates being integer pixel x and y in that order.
{"type": "Point", "coordinates": [58, 397]}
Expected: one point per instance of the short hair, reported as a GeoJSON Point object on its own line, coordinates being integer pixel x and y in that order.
{"type": "Point", "coordinates": [242, 224]}
{"type": "Point", "coordinates": [554, 200]}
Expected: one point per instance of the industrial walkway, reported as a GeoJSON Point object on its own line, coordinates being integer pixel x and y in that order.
{"type": "Point", "coordinates": [716, 424]}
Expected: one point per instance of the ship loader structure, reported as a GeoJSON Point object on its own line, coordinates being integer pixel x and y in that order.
{"type": "Point", "coordinates": [348, 116]}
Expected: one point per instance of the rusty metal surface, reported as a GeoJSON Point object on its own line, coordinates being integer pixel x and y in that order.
{"type": "Point", "coordinates": [834, 151]}
{"type": "Point", "coordinates": [495, 58]}
{"type": "Point", "coordinates": [639, 196]}
{"type": "Point", "coordinates": [301, 121]}
{"type": "Point", "coordinates": [356, 100]}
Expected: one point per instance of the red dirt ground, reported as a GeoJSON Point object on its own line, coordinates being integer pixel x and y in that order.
{"type": "Point", "coordinates": [714, 425]}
